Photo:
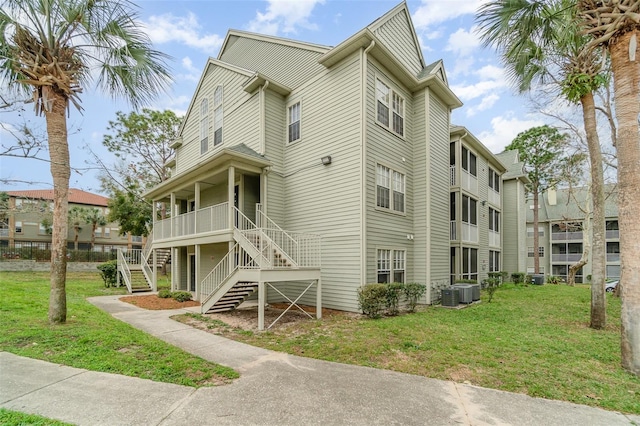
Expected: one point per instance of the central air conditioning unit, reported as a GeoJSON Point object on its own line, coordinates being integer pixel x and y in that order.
{"type": "Point", "coordinates": [450, 297]}
{"type": "Point", "coordinates": [466, 292]}
{"type": "Point", "coordinates": [476, 291]}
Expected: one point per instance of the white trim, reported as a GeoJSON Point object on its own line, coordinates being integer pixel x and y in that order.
{"type": "Point", "coordinates": [393, 90]}
{"type": "Point", "coordinates": [218, 108]}
{"type": "Point", "coordinates": [391, 179]}
{"type": "Point", "coordinates": [291, 104]}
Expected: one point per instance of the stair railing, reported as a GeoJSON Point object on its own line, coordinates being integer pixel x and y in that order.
{"type": "Point", "coordinates": [236, 258]}
{"type": "Point", "coordinates": [123, 268]}
{"type": "Point", "coordinates": [281, 238]}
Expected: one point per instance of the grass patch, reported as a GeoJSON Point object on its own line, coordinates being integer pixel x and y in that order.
{"type": "Point", "coordinates": [533, 340]}
{"type": "Point", "coordinates": [91, 338]}
{"type": "Point", "coordinates": [16, 418]}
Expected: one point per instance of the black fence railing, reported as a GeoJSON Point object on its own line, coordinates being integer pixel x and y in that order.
{"type": "Point", "coordinates": [41, 252]}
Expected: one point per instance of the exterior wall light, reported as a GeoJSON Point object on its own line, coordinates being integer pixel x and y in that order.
{"type": "Point", "coordinates": [326, 160]}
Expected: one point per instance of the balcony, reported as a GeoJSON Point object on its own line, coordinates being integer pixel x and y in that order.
{"type": "Point", "coordinates": [494, 239]}
{"type": "Point", "coordinates": [613, 234]}
{"type": "Point", "coordinates": [203, 221]}
{"type": "Point", "coordinates": [493, 197]}
{"type": "Point", "coordinates": [469, 233]}
{"type": "Point", "coordinates": [566, 236]}
{"type": "Point", "coordinates": [453, 231]}
{"type": "Point", "coordinates": [613, 257]}
{"type": "Point", "coordinates": [469, 182]}
{"type": "Point", "coordinates": [566, 257]}
{"type": "Point", "coordinates": [452, 175]}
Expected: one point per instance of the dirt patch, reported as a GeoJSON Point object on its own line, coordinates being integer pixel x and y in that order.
{"type": "Point", "coordinates": [153, 302]}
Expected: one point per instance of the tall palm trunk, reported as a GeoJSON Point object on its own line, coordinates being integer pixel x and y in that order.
{"type": "Point", "coordinates": [76, 235]}
{"type": "Point", "coordinates": [60, 172]}
{"type": "Point", "coordinates": [94, 226]}
{"type": "Point", "coordinates": [626, 82]}
{"type": "Point", "coordinates": [536, 235]}
{"type": "Point", "coordinates": [598, 228]}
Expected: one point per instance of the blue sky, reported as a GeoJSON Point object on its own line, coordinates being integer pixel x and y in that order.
{"type": "Point", "coordinates": [192, 31]}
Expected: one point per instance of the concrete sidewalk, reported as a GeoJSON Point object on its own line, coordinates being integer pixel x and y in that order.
{"type": "Point", "coordinates": [274, 389]}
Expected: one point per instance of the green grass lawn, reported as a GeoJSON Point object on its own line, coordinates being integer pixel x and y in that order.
{"type": "Point", "coordinates": [91, 338]}
{"type": "Point", "coordinates": [533, 340]}
{"type": "Point", "coordinates": [16, 418]}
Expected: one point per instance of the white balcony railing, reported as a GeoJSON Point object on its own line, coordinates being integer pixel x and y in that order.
{"type": "Point", "coordinates": [469, 233]}
{"type": "Point", "coordinates": [453, 231]}
{"type": "Point", "coordinates": [613, 233]}
{"type": "Point", "coordinates": [452, 175]}
{"type": "Point", "coordinates": [468, 182]}
{"type": "Point", "coordinates": [208, 219]}
{"type": "Point", "coordinates": [613, 257]}
{"type": "Point", "coordinates": [566, 257]}
{"type": "Point", "coordinates": [564, 236]}
{"type": "Point", "coordinates": [494, 197]}
{"type": "Point", "coordinates": [494, 239]}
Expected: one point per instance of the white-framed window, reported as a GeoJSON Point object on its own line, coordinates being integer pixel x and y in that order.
{"type": "Point", "coordinates": [469, 210]}
{"type": "Point", "coordinates": [399, 265]}
{"type": "Point", "coordinates": [494, 180]}
{"type": "Point", "coordinates": [18, 227]}
{"type": "Point", "coordinates": [469, 263]}
{"type": "Point", "coordinates": [389, 108]}
{"type": "Point", "coordinates": [530, 231]}
{"type": "Point", "coordinates": [204, 126]}
{"type": "Point", "coordinates": [469, 162]}
{"type": "Point", "coordinates": [107, 232]}
{"type": "Point", "coordinates": [494, 220]}
{"type": "Point", "coordinates": [540, 251]}
{"type": "Point", "coordinates": [293, 120]}
{"type": "Point", "coordinates": [494, 261]}
{"type": "Point", "coordinates": [390, 189]}
{"type": "Point", "coordinates": [218, 113]}
{"type": "Point", "coordinates": [391, 265]}
{"type": "Point", "coordinates": [384, 265]}
{"type": "Point", "coordinates": [42, 230]}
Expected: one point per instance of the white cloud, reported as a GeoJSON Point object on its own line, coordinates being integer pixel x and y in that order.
{"type": "Point", "coordinates": [181, 29]}
{"type": "Point", "coordinates": [477, 90]}
{"type": "Point", "coordinates": [193, 73]}
{"type": "Point", "coordinates": [463, 42]}
{"type": "Point", "coordinates": [486, 103]}
{"type": "Point", "coordinates": [433, 12]}
{"type": "Point", "coordinates": [284, 16]}
{"type": "Point", "coordinates": [504, 129]}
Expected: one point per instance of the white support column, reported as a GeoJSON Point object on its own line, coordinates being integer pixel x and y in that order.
{"type": "Point", "coordinates": [197, 206]}
{"type": "Point", "coordinates": [175, 268]}
{"type": "Point", "coordinates": [262, 297]}
{"type": "Point", "coordinates": [198, 254]}
{"type": "Point", "coordinates": [154, 217]}
{"type": "Point", "coordinates": [319, 298]}
{"type": "Point", "coordinates": [172, 206]}
{"type": "Point", "coordinates": [154, 271]}
{"type": "Point", "coordinates": [231, 185]}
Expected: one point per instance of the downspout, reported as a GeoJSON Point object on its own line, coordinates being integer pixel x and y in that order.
{"type": "Point", "coordinates": [263, 144]}
{"type": "Point", "coordinates": [363, 164]}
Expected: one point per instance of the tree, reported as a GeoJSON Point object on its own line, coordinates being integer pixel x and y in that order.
{"type": "Point", "coordinates": [51, 50]}
{"type": "Point", "coordinates": [133, 215]}
{"type": "Point", "coordinates": [95, 218]}
{"type": "Point", "coordinates": [541, 149]}
{"type": "Point", "coordinates": [76, 220]}
{"type": "Point", "coordinates": [540, 41]}
{"type": "Point", "coordinates": [615, 25]}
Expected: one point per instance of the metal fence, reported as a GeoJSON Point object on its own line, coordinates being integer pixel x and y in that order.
{"type": "Point", "coordinates": [41, 252]}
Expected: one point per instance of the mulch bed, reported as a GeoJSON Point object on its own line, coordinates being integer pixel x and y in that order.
{"type": "Point", "coordinates": [153, 302]}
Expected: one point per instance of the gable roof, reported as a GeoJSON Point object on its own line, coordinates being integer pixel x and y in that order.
{"type": "Point", "coordinates": [436, 68]}
{"type": "Point", "coordinates": [474, 142]}
{"type": "Point", "coordinates": [568, 202]}
{"type": "Point", "coordinates": [76, 196]}
{"type": "Point", "coordinates": [515, 167]}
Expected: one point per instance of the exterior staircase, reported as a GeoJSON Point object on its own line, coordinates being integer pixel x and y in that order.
{"type": "Point", "coordinates": [163, 256]}
{"type": "Point", "coordinates": [233, 298]}
{"type": "Point", "coordinates": [139, 282]}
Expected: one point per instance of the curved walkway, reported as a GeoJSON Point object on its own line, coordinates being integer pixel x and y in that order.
{"type": "Point", "coordinates": [274, 389]}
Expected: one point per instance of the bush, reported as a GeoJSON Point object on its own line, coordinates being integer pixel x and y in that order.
{"type": "Point", "coordinates": [393, 297]}
{"type": "Point", "coordinates": [461, 281]}
{"type": "Point", "coordinates": [518, 277]}
{"type": "Point", "coordinates": [503, 276]}
{"type": "Point", "coordinates": [181, 296]}
{"type": "Point", "coordinates": [109, 273]}
{"type": "Point", "coordinates": [164, 294]}
{"type": "Point", "coordinates": [372, 299]}
{"type": "Point", "coordinates": [552, 279]}
{"type": "Point", "coordinates": [413, 292]}
{"type": "Point", "coordinates": [491, 285]}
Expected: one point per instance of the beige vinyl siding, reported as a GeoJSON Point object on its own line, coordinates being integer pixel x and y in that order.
{"type": "Point", "coordinates": [325, 200]}
{"type": "Point", "coordinates": [388, 229]}
{"type": "Point", "coordinates": [240, 122]}
{"type": "Point", "coordinates": [510, 227]}
{"type": "Point", "coordinates": [396, 34]}
{"type": "Point", "coordinates": [250, 195]}
{"type": "Point", "coordinates": [287, 65]}
{"type": "Point", "coordinates": [210, 255]}
{"type": "Point", "coordinates": [213, 195]}
{"type": "Point", "coordinates": [275, 117]}
{"type": "Point", "coordinates": [439, 198]}
{"type": "Point", "coordinates": [483, 216]}
{"type": "Point", "coordinates": [420, 193]}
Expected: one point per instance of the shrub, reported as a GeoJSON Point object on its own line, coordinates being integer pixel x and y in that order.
{"type": "Point", "coordinates": [393, 297]}
{"type": "Point", "coordinates": [413, 292]}
{"type": "Point", "coordinates": [164, 294]}
{"type": "Point", "coordinates": [181, 296]}
{"type": "Point", "coordinates": [518, 277]}
{"type": "Point", "coordinates": [465, 281]}
{"type": "Point", "coordinates": [528, 279]}
{"type": "Point", "coordinates": [109, 273]}
{"type": "Point", "coordinates": [372, 299]}
{"type": "Point", "coordinates": [503, 276]}
{"type": "Point", "coordinates": [491, 285]}
{"type": "Point", "coordinates": [553, 279]}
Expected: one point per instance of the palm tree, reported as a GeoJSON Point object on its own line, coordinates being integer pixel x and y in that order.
{"type": "Point", "coordinates": [615, 24]}
{"type": "Point", "coordinates": [95, 218]}
{"type": "Point", "coordinates": [51, 49]}
{"type": "Point", "coordinates": [76, 219]}
{"type": "Point", "coordinates": [539, 41]}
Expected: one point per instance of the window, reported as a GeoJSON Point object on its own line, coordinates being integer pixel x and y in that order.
{"type": "Point", "coordinates": [217, 116]}
{"type": "Point", "coordinates": [204, 126]}
{"type": "Point", "coordinates": [391, 117]}
{"type": "Point", "coordinates": [469, 210]}
{"type": "Point", "coordinates": [540, 251]}
{"type": "Point", "coordinates": [388, 270]}
{"type": "Point", "coordinates": [4, 228]}
{"type": "Point", "coordinates": [398, 266]}
{"type": "Point", "coordinates": [107, 232]}
{"type": "Point", "coordinates": [469, 162]}
{"type": "Point", "coordinates": [384, 179]}
{"type": "Point", "coordinates": [494, 220]}
{"type": "Point", "coordinates": [469, 263]}
{"type": "Point", "coordinates": [384, 266]}
{"type": "Point", "coordinates": [494, 180]}
{"type": "Point", "coordinates": [294, 122]}
{"type": "Point", "coordinates": [98, 232]}
{"type": "Point", "coordinates": [494, 261]}
{"type": "Point", "coordinates": [530, 231]}
{"type": "Point", "coordinates": [18, 228]}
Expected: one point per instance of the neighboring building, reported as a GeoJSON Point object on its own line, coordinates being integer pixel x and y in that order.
{"type": "Point", "coordinates": [347, 145]}
{"type": "Point", "coordinates": [561, 218]}
{"type": "Point", "coordinates": [476, 208]}
{"type": "Point", "coordinates": [24, 224]}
